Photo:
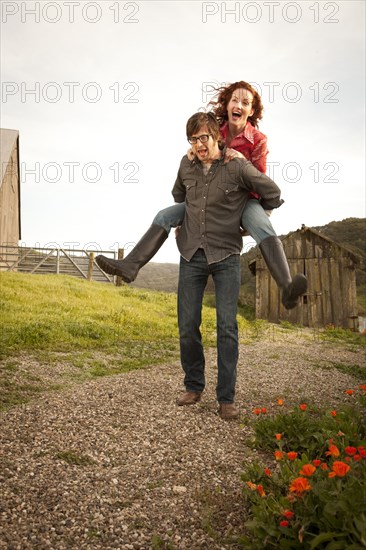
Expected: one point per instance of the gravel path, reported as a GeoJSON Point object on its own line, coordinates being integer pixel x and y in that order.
{"type": "Point", "coordinates": [115, 464]}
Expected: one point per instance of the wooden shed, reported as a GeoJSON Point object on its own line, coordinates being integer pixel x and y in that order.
{"type": "Point", "coordinates": [10, 229]}
{"type": "Point", "coordinates": [330, 268]}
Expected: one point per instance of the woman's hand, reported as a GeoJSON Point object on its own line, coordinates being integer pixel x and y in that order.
{"type": "Point", "coordinates": [231, 154]}
{"type": "Point", "coordinates": [190, 154]}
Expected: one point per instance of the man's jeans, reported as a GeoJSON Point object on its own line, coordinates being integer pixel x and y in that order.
{"type": "Point", "coordinates": [253, 219]}
{"type": "Point", "coordinates": [193, 277]}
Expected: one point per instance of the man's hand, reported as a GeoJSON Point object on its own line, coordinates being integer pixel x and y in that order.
{"type": "Point", "coordinates": [231, 154]}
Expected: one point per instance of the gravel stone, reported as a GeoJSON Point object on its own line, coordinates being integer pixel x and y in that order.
{"type": "Point", "coordinates": [113, 463]}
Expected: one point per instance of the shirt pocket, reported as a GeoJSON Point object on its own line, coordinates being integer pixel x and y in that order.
{"type": "Point", "coordinates": [229, 192]}
{"type": "Point", "coordinates": [191, 189]}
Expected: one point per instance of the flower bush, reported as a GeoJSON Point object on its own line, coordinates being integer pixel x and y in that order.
{"type": "Point", "coordinates": [313, 493]}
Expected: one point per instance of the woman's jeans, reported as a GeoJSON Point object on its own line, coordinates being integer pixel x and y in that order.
{"type": "Point", "coordinates": [253, 219]}
{"type": "Point", "coordinates": [193, 277]}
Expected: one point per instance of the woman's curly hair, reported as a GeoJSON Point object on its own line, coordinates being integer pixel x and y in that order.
{"type": "Point", "coordinates": [223, 96]}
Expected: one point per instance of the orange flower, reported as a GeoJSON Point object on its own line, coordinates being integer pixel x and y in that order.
{"type": "Point", "coordinates": [339, 469]}
{"type": "Point", "coordinates": [251, 485]}
{"type": "Point", "coordinates": [333, 413]}
{"type": "Point", "coordinates": [288, 514]}
{"type": "Point", "coordinates": [307, 470]}
{"type": "Point", "coordinates": [303, 407]}
{"type": "Point", "coordinates": [278, 437]}
{"type": "Point", "coordinates": [299, 485]}
{"type": "Point", "coordinates": [292, 455]}
{"type": "Point", "coordinates": [284, 523]}
{"type": "Point", "coordinates": [317, 462]}
{"type": "Point", "coordinates": [333, 451]}
{"type": "Point", "coordinates": [257, 411]}
{"type": "Point", "coordinates": [268, 472]}
{"type": "Point", "coordinates": [350, 450]}
{"type": "Point", "coordinates": [261, 491]}
{"type": "Point", "coordinates": [349, 392]}
{"type": "Point", "coordinates": [263, 410]}
{"type": "Point", "coordinates": [324, 466]}
{"type": "Point", "coordinates": [280, 402]}
{"type": "Point", "coordinates": [278, 455]}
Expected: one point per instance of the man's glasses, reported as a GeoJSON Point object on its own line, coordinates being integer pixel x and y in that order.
{"type": "Point", "coordinates": [203, 139]}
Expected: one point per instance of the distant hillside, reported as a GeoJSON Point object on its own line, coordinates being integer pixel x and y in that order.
{"type": "Point", "coordinates": [158, 277]}
{"type": "Point", "coordinates": [350, 232]}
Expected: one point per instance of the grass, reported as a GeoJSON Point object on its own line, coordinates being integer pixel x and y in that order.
{"type": "Point", "coordinates": [89, 329]}
{"type": "Point", "coordinates": [86, 329]}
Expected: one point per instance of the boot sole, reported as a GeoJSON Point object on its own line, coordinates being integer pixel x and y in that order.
{"type": "Point", "coordinates": [111, 269]}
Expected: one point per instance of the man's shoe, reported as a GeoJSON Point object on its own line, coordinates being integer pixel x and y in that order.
{"type": "Point", "coordinates": [189, 398]}
{"type": "Point", "coordinates": [228, 411]}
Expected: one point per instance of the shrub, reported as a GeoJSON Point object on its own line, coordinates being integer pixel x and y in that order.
{"type": "Point", "coordinates": [313, 496]}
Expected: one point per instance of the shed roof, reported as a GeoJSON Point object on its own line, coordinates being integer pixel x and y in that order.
{"type": "Point", "coordinates": [319, 236]}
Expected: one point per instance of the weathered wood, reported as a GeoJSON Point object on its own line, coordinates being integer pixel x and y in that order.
{"type": "Point", "coordinates": [331, 271]}
{"type": "Point", "coordinates": [90, 266]}
{"type": "Point", "coordinates": [121, 255]}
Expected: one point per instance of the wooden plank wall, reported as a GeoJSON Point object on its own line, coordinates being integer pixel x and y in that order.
{"type": "Point", "coordinates": [332, 293]}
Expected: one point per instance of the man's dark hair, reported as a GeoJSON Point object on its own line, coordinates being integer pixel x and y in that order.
{"type": "Point", "coordinates": [198, 120]}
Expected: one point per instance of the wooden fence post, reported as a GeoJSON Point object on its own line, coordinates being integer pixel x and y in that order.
{"type": "Point", "coordinates": [121, 255]}
{"type": "Point", "coordinates": [90, 266]}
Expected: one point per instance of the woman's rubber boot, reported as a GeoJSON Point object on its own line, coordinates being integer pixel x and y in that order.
{"type": "Point", "coordinates": [275, 258]}
{"type": "Point", "coordinates": [144, 250]}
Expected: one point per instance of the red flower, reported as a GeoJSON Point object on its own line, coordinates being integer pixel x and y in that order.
{"type": "Point", "coordinates": [349, 392]}
{"type": "Point", "coordinates": [260, 490]}
{"type": "Point", "coordinates": [268, 472]}
{"type": "Point", "coordinates": [362, 451]}
{"type": "Point", "coordinates": [362, 387]}
{"type": "Point", "coordinates": [317, 462]}
{"type": "Point", "coordinates": [350, 450]}
{"type": "Point", "coordinates": [303, 407]}
{"type": "Point", "coordinates": [307, 470]}
{"type": "Point", "coordinates": [333, 451]}
{"type": "Point", "coordinates": [324, 466]}
{"type": "Point", "coordinates": [333, 413]}
{"type": "Point", "coordinates": [348, 459]}
{"type": "Point", "coordinates": [278, 455]}
{"type": "Point", "coordinates": [288, 514]}
{"type": "Point", "coordinates": [284, 523]}
{"type": "Point", "coordinates": [339, 469]}
{"type": "Point", "coordinates": [299, 485]}
{"type": "Point", "coordinates": [257, 411]}
{"type": "Point", "coordinates": [280, 402]}
{"type": "Point", "coordinates": [278, 437]}
{"type": "Point", "coordinates": [292, 455]}
{"type": "Point", "coordinates": [263, 410]}
{"type": "Point", "coordinates": [356, 458]}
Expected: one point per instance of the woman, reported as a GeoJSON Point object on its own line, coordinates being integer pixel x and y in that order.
{"type": "Point", "coordinates": [238, 108]}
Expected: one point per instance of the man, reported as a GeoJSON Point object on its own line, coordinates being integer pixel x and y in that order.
{"type": "Point", "coordinates": [209, 242]}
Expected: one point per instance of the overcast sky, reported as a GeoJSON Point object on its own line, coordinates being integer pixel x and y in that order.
{"type": "Point", "coordinates": [101, 91]}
